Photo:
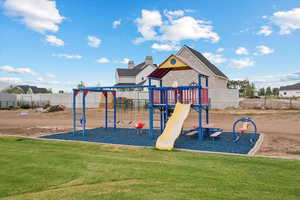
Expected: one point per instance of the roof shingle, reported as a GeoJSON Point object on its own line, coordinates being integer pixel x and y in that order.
{"type": "Point", "coordinates": [291, 87]}
{"type": "Point", "coordinates": [211, 66]}
{"type": "Point", "coordinates": [132, 72]}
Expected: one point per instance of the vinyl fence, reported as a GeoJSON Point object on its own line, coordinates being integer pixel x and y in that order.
{"type": "Point", "coordinates": [219, 99]}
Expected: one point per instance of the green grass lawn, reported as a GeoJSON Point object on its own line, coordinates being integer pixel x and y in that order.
{"type": "Point", "coordinates": [32, 169]}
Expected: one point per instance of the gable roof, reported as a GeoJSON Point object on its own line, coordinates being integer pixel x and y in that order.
{"type": "Point", "coordinates": [132, 72]}
{"type": "Point", "coordinates": [34, 89]}
{"type": "Point", "coordinates": [291, 87]}
{"type": "Point", "coordinates": [166, 66]}
{"type": "Point", "coordinates": [211, 66]}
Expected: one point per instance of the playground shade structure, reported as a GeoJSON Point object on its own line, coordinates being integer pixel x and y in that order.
{"type": "Point", "coordinates": [173, 128]}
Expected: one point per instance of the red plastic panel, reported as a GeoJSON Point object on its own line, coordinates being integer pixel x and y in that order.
{"type": "Point", "coordinates": [205, 96]}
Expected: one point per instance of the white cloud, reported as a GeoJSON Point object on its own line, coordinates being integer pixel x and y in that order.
{"type": "Point", "coordinates": [93, 41]}
{"type": "Point", "coordinates": [241, 63]}
{"type": "Point", "coordinates": [188, 28]}
{"type": "Point", "coordinates": [263, 50]}
{"type": "Point", "coordinates": [164, 47]}
{"type": "Point", "coordinates": [50, 75]}
{"type": "Point", "coordinates": [265, 30]}
{"type": "Point", "coordinates": [215, 58]}
{"type": "Point", "coordinates": [241, 51]}
{"type": "Point", "coordinates": [53, 40]}
{"type": "Point", "coordinates": [146, 24]}
{"type": "Point", "coordinates": [152, 27]}
{"type": "Point", "coordinates": [276, 80]}
{"type": "Point", "coordinates": [288, 21]}
{"type": "Point", "coordinates": [124, 61]}
{"type": "Point", "coordinates": [116, 23]}
{"type": "Point", "coordinates": [219, 50]}
{"type": "Point", "coordinates": [11, 69]}
{"type": "Point", "coordinates": [40, 79]}
{"type": "Point", "coordinates": [38, 15]}
{"type": "Point", "coordinates": [14, 80]}
{"type": "Point", "coordinates": [103, 60]}
{"type": "Point", "coordinates": [67, 56]}
{"type": "Point", "coordinates": [174, 13]}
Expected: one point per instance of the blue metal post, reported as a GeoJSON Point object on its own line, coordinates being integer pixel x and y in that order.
{"type": "Point", "coordinates": [166, 107]}
{"type": "Point", "coordinates": [150, 107]}
{"type": "Point", "coordinates": [115, 109]}
{"type": "Point", "coordinates": [201, 132]}
{"type": "Point", "coordinates": [161, 111]}
{"type": "Point", "coordinates": [83, 113]}
{"type": "Point", "coordinates": [74, 113]}
{"type": "Point", "coordinates": [207, 108]}
{"type": "Point", "coordinates": [106, 110]}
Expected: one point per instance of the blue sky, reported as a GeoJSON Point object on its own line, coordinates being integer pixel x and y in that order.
{"type": "Point", "coordinates": [56, 44]}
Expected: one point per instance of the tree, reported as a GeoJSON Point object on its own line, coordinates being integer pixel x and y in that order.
{"type": "Point", "coordinates": [262, 92]}
{"type": "Point", "coordinates": [268, 91]}
{"type": "Point", "coordinates": [60, 91]}
{"type": "Point", "coordinates": [275, 91]}
{"type": "Point", "coordinates": [15, 90]}
{"type": "Point", "coordinates": [49, 91]}
{"type": "Point", "coordinates": [232, 84]}
{"type": "Point", "coordinates": [81, 85]}
{"type": "Point", "coordinates": [241, 85]}
{"type": "Point", "coordinates": [249, 90]}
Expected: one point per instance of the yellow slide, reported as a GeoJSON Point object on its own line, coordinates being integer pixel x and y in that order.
{"type": "Point", "coordinates": [173, 128]}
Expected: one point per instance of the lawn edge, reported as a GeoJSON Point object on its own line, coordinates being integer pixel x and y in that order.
{"type": "Point", "coordinates": [257, 145]}
{"type": "Point", "coordinates": [133, 146]}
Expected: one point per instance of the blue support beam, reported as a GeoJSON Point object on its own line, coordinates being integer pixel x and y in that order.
{"type": "Point", "coordinates": [100, 89]}
{"type": "Point", "coordinates": [150, 107]}
{"type": "Point", "coordinates": [207, 109]}
{"type": "Point", "coordinates": [106, 110]}
{"type": "Point", "coordinates": [166, 108]}
{"type": "Point", "coordinates": [74, 113]}
{"type": "Point", "coordinates": [83, 113]}
{"type": "Point", "coordinates": [201, 131]}
{"type": "Point", "coordinates": [160, 109]}
{"type": "Point", "coordinates": [115, 109]}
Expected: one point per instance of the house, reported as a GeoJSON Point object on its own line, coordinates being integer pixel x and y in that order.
{"type": "Point", "coordinates": [3, 86]}
{"type": "Point", "coordinates": [27, 89]}
{"type": "Point", "coordinates": [290, 90]}
{"type": "Point", "coordinates": [135, 74]}
{"type": "Point", "coordinates": [220, 96]}
{"type": "Point", "coordinates": [198, 63]}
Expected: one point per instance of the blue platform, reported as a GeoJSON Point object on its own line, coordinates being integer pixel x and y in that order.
{"type": "Point", "coordinates": [224, 143]}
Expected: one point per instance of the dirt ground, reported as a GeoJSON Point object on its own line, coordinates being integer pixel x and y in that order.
{"type": "Point", "coordinates": [281, 128]}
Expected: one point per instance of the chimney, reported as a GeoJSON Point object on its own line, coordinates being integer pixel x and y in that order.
{"type": "Point", "coordinates": [148, 60]}
{"type": "Point", "coordinates": [130, 64]}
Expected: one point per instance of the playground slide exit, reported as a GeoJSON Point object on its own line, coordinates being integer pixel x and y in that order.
{"type": "Point", "coordinates": [173, 128]}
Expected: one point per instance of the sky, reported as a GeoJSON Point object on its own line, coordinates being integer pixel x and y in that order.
{"type": "Point", "coordinates": [57, 44]}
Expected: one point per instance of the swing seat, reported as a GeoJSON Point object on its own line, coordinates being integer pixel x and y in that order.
{"type": "Point", "coordinates": [139, 125]}
{"type": "Point", "coordinates": [192, 133]}
{"type": "Point", "coordinates": [243, 130]}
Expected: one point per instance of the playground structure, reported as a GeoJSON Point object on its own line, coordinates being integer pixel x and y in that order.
{"type": "Point", "coordinates": [246, 122]}
{"type": "Point", "coordinates": [172, 104]}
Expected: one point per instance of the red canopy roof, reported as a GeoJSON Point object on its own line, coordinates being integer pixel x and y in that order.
{"type": "Point", "coordinates": [159, 73]}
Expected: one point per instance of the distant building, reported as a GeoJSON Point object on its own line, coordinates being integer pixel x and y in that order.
{"type": "Point", "coordinates": [27, 89]}
{"type": "Point", "coordinates": [135, 74]}
{"type": "Point", "coordinates": [3, 86]}
{"type": "Point", "coordinates": [290, 90]}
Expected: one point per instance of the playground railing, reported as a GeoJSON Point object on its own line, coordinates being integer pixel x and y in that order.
{"type": "Point", "coordinates": [184, 95]}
